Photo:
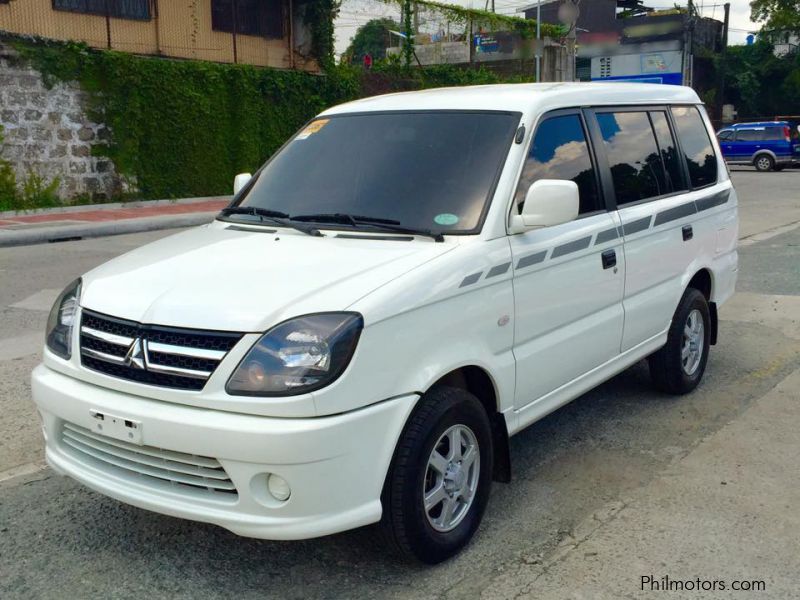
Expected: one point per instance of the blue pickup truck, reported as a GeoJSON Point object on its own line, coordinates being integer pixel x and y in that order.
{"type": "Point", "coordinates": [768, 145]}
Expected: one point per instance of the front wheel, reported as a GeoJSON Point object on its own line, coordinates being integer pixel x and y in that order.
{"type": "Point", "coordinates": [438, 484]}
{"type": "Point", "coordinates": [679, 366]}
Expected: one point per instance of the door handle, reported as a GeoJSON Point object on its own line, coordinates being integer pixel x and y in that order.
{"type": "Point", "coordinates": [609, 259]}
{"type": "Point", "coordinates": [687, 233]}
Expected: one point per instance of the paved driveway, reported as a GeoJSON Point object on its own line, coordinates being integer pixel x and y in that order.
{"type": "Point", "coordinates": [621, 484]}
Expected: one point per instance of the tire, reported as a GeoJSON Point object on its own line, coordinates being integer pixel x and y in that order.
{"type": "Point", "coordinates": [677, 368]}
{"type": "Point", "coordinates": [764, 162]}
{"type": "Point", "coordinates": [429, 536]}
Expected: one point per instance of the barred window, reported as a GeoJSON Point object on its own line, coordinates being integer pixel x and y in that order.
{"type": "Point", "coordinates": [252, 17]}
{"type": "Point", "coordinates": [120, 9]}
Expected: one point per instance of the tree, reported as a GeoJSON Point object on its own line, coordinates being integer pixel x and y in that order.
{"type": "Point", "coordinates": [778, 16]}
{"type": "Point", "coordinates": [761, 84]}
{"type": "Point", "coordinates": [371, 38]}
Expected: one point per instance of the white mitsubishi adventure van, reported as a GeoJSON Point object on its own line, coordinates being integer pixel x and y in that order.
{"type": "Point", "coordinates": [408, 282]}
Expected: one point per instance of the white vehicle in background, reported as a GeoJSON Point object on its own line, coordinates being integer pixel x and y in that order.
{"type": "Point", "coordinates": [409, 281]}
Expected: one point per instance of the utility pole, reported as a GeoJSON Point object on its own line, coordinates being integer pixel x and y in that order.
{"type": "Point", "coordinates": [688, 75]}
{"type": "Point", "coordinates": [538, 40]}
{"type": "Point", "coordinates": [722, 57]}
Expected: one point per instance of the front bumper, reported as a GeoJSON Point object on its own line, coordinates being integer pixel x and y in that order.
{"type": "Point", "coordinates": [335, 466]}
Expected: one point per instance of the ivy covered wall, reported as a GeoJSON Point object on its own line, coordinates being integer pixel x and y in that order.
{"type": "Point", "coordinates": [185, 128]}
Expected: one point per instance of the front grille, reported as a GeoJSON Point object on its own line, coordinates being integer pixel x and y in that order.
{"type": "Point", "coordinates": [166, 470]}
{"type": "Point", "coordinates": [152, 354]}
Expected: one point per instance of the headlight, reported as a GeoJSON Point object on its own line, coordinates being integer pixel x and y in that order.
{"type": "Point", "coordinates": [298, 356]}
{"type": "Point", "coordinates": [58, 336]}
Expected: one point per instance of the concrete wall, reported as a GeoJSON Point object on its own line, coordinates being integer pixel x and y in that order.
{"type": "Point", "coordinates": [47, 132]}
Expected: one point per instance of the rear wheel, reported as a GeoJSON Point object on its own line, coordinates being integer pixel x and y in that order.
{"type": "Point", "coordinates": [764, 162]}
{"type": "Point", "coordinates": [438, 484]}
{"type": "Point", "coordinates": [679, 366]}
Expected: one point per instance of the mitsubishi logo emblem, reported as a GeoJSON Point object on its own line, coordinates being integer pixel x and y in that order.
{"type": "Point", "coordinates": [136, 357]}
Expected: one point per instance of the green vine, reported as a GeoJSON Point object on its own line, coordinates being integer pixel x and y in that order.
{"type": "Point", "coordinates": [483, 18]}
{"type": "Point", "coordinates": [185, 128]}
{"type": "Point", "coordinates": [408, 30]}
{"type": "Point", "coordinates": [320, 15]}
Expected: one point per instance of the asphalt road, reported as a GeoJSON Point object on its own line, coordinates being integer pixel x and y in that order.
{"type": "Point", "coordinates": [622, 483]}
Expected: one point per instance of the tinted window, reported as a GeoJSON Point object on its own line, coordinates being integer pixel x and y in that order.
{"type": "Point", "coordinates": [725, 135]}
{"type": "Point", "coordinates": [121, 9]}
{"type": "Point", "coordinates": [251, 17]}
{"type": "Point", "coordinates": [431, 170]}
{"type": "Point", "coordinates": [633, 156]}
{"type": "Point", "coordinates": [560, 151]}
{"type": "Point", "coordinates": [669, 152]}
{"type": "Point", "coordinates": [773, 134]}
{"type": "Point", "coordinates": [749, 135]}
{"type": "Point", "coordinates": [696, 145]}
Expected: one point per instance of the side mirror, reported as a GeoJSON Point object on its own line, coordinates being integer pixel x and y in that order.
{"type": "Point", "coordinates": [240, 181]}
{"type": "Point", "coordinates": [548, 202]}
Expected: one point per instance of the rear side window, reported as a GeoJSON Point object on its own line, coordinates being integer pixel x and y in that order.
{"type": "Point", "coordinates": [669, 152]}
{"type": "Point", "coordinates": [696, 145]}
{"type": "Point", "coordinates": [725, 135]}
{"type": "Point", "coordinates": [560, 151]}
{"type": "Point", "coordinates": [633, 156]}
{"type": "Point", "coordinates": [774, 134]}
{"type": "Point", "coordinates": [749, 135]}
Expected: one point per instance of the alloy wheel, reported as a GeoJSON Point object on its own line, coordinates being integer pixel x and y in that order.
{"type": "Point", "coordinates": [451, 478]}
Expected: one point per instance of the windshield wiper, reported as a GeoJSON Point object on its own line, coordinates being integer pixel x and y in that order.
{"type": "Point", "coordinates": [345, 218]}
{"type": "Point", "coordinates": [376, 222]}
{"type": "Point", "coordinates": [274, 216]}
{"type": "Point", "coordinates": [255, 211]}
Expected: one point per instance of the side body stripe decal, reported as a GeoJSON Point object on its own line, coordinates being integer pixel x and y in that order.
{"type": "Point", "coordinates": [470, 279]}
{"type": "Point", "coordinates": [531, 259]}
{"type": "Point", "coordinates": [672, 214]}
{"type": "Point", "coordinates": [712, 201]}
{"type": "Point", "coordinates": [636, 226]}
{"type": "Point", "coordinates": [665, 216]}
{"type": "Point", "coordinates": [498, 270]}
{"type": "Point", "coordinates": [572, 246]}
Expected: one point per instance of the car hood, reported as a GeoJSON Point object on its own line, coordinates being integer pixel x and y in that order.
{"type": "Point", "coordinates": [236, 279]}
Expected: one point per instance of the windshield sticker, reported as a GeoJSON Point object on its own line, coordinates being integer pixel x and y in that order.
{"type": "Point", "coordinates": [312, 128]}
{"type": "Point", "coordinates": [445, 219]}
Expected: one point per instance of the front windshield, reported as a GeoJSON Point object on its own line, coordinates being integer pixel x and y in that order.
{"type": "Point", "coordinates": [427, 170]}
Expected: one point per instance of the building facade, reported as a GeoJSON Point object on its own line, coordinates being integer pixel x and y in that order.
{"type": "Point", "coordinates": [627, 40]}
{"type": "Point", "coordinates": [268, 33]}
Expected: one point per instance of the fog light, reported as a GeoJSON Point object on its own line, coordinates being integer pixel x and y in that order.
{"type": "Point", "coordinates": [278, 487]}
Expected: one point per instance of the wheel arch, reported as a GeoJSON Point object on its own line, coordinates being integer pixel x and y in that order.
{"type": "Point", "coordinates": [478, 382]}
{"type": "Point", "coordinates": [764, 152]}
{"type": "Point", "coordinates": [703, 282]}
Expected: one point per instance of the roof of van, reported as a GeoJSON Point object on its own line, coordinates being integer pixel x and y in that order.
{"type": "Point", "coordinates": [758, 124]}
{"type": "Point", "coordinates": [523, 96]}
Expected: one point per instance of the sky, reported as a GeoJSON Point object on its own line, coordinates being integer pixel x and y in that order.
{"type": "Point", "coordinates": [357, 12]}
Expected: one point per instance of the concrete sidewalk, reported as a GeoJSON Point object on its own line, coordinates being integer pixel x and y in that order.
{"type": "Point", "coordinates": [79, 222]}
{"type": "Point", "coordinates": [721, 523]}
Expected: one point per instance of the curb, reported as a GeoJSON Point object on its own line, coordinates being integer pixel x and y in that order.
{"type": "Point", "coordinates": [69, 233]}
{"type": "Point", "coordinates": [10, 214]}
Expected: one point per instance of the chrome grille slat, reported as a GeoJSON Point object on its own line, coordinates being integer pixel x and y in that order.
{"type": "Point", "coordinates": [144, 461]}
{"type": "Point", "coordinates": [157, 368]}
{"type": "Point", "coordinates": [110, 358]}
{"type": "Point", "coordinates": [152, 354]}
{"type": "Point", "coordinates": [111, 338]}
{"type": "Point", "coordinates": [182, 351]}
{"type": "Point", "coordinates": [160, 453]}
